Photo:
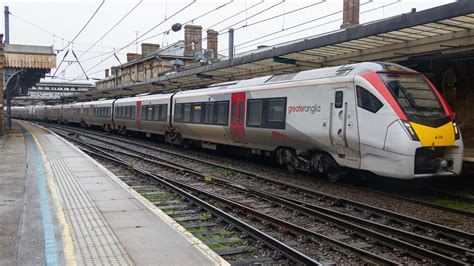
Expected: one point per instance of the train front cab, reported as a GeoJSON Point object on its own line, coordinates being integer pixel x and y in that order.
{"type": "Point", "coordinates": [416, 136]}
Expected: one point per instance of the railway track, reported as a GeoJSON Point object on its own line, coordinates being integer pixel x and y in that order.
{"type": "Point", "coordinates": [404, 233]}
{"type": "Point", "coordinates": [265, 230]}
{"type": "Point", "coordinates": [194, 215]}
{"type": "Point", "coordinates": [98, 136]}
{"type": "Point", "coordinates": [382, 193]}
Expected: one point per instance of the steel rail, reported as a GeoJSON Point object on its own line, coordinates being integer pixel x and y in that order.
{"type": "Point", "coordinates": [444, 230]}
{"type": "Point", "coordinates": [290, 252]}
{"type": "Point", "coordinates": [346, 221]}
{"type": "Point", "coordinates": [277, 222]}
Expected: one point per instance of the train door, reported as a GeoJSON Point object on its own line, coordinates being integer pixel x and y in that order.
{"type": "Point", "coordinates": [237, 117]}
{"type": "Point", "coordinates": [138, 114]}
{"type": "Point", "coordinates": [344, 130]}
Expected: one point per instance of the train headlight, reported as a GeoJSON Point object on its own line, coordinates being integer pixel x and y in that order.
{"type": "Point", "coordinates": [410, 130]}
{"type": "Point", "coordinates": [456, 130]}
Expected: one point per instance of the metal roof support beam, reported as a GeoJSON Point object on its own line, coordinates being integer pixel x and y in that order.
{"type": "Point", "coordinates": [204, 76]}
{"type": "Point", "coordinates": [422, 46]}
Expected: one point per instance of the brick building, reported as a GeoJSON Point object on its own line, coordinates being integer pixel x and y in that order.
{"type": "Point", "coordinates": [155, 60]}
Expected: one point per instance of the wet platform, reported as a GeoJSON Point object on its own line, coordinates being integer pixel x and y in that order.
{"type": "Point", "coordinates": [58, 206]}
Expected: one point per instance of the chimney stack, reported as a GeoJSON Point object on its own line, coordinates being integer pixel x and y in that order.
{"type": "Point", "coordinates": [132, 56]}
{"type": "Point", "coordinates": [113, 70]}
{"type": "Point", "coordinates": [212, 38]}
{"type": "Point", "coordinates": [350, 13]}
{"type": "Point", "coordinates": [107, 73]}
{"type": "Point", "coordinates": [1, 40]}
{"type": "Point", "coordinates": [149, 48]}
{"type": "Point", "coordinates": [192, 39]}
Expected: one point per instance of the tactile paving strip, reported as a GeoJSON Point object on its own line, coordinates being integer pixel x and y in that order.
{"type": "Point", "coordinates": [94, 241]}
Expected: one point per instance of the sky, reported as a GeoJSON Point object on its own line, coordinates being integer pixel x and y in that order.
{"type": "Point", "coordinates": [57, 23]}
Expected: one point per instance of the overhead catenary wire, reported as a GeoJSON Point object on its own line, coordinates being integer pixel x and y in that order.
{"type": "Point", "coordinates": [304, 23]}
{"type": "Point", "coordinates": [192, 20]}
{"type": "Point", "coordinates": [236, 14]}
{"type": "Point", "coordinates": [165, 32]}
{"type": "Point", "coordinates": [104, 35]}
{"type": "Point", "coordinates": [112, 28]}
{"type": "Point", "coordinates": [282, 14]}
{"type": "Point", "coordinates": [254, 15]}
{"type": "Point", "coordinates": [36, 26]}
{"type": "Point", "coordinates": [145, 33]}
{"type": "Point", "coordinates": [225, 30]}
{"type": "Point", "coordinates": [85, 25]}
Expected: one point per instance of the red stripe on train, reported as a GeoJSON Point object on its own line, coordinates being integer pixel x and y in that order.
{"type": "Point", "coordinates": [375, 80]}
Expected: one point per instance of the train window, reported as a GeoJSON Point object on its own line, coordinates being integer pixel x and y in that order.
{"type": "Point", "coordinates": [197, 113]}
{"type": "Point", "coordinates": [234, 110]}
{"type": "Point", "coordinates": [156, 112]}
{"type": "Point", "coordinates": [127, 112]}
{"type": "Point", "coordinates": [187, 112]}
{"type": "Point", "coordinates": [150, 112]}
{"type": "Point", "coordinates": [241, 112]}
{"type": "Point", "coordinates": [266, 113]}
{"type": "Point", "coordinates": [254, 112]}
{"type": "Point", "coordinates": [163, 112]}
{"type": "Point", "coordinates": [367, 100]}
{"type": "Point", "coordinates": [132, 112]}
{"type": "Point", "coordinates": [144, 109]}
{"type": "Point", "coordinates": [276, 110]}
{"type": "Point", "coordinates": [222, 113]}
{"type": "Point", "coordinates": [209, 113]}
{"type": "Point", "coordinates": [178, 112]}
{"type": "Point", "coordinates": [339, 98]}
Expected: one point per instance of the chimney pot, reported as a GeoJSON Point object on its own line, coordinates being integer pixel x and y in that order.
{"type": "Point", "coordinates": [149, 48]}
{"type": "Point", "coordinates": [350, 15]}
{"type": "Point", "coordinates": [212, 41]}
{"type": "Point", "coordinates": [192, 39]}
{"type": "Point", "coordinates": [107, 73]}
{"type": "Point", "coordinates": [132, 56]}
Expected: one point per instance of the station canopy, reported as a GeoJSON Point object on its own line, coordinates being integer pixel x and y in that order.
{"type": "Point", "coordinates": [25, 65]}
{"type": "Point", "coordinates": [447, 29]}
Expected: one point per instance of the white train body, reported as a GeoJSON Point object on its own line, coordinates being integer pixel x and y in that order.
{"type": "Point", "coordinates": [378, 117]}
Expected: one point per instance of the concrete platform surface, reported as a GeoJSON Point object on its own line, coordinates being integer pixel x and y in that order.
{"type": "Point", "coordinates": [58, 206]}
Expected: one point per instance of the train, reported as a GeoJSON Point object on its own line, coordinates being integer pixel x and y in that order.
{"type": "Point", "coordinates": [373, 117]}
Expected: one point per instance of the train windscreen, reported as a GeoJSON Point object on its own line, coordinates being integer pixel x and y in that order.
{"type": "Point", "coordinates": [414, 95]}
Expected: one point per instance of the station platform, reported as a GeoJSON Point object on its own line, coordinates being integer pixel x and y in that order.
{"type": "Point", "coordinates": [58, 206]}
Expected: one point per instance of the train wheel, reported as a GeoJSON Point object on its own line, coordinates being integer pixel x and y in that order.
{"type": "Point", "coordinates": [332, 170]}
{"type": "Point", "coordinates": [290, 168]}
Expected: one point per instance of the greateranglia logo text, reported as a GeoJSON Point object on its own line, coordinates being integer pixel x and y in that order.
{"type": "Point", "coordinates": [304, 109]}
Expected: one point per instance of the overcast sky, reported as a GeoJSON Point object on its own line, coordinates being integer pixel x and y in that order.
{"type": "Point", "coordinates": [58, 22]}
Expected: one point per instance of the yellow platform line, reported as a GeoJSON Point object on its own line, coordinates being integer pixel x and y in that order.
{"type": "Point", "coordinates": [66, 237]}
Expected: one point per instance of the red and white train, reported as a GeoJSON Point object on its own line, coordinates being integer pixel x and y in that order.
{"type": "Point", "coordinates": [377, 117]}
